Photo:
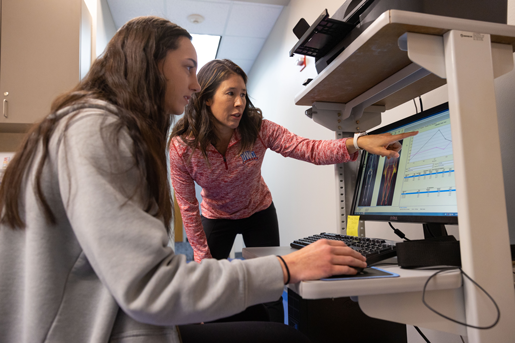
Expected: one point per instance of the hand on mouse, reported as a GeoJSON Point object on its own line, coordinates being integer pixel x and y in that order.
{"type": "Point", "coordinates": [321, 259]}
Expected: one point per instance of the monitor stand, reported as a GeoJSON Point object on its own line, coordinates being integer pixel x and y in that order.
{"type": "Point", "coordinates": [432, 230]}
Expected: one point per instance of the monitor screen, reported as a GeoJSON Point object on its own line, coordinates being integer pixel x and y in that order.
{"type": "Point", "coordinates": [419, 185]}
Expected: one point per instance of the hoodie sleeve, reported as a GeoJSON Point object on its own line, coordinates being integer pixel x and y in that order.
{"type": "Point", "coordinates": [127, 247]}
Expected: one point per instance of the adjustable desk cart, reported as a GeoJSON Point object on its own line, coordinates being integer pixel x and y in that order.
{"type": "Point", "coordinates": [399, 57]}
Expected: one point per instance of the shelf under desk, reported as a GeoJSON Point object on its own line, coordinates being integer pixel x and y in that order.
{"type": "Point", "coordinates": [409, 280]}
{"type": "Point", "coordinates": [396, 299]}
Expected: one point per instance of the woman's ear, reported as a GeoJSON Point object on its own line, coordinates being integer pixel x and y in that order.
{"type": "Point", "coordinates": [209, 102]}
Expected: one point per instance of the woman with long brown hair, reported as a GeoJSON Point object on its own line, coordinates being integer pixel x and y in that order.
{"type": "Point", "coordinates": [86, 212]}
{"type": "Point", "coordinates": [220, 144]}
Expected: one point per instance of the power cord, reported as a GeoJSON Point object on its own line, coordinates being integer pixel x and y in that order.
{"type": "Point", "coordinates": [403, 236]}
{"type": "Point", "coordinates": [425, 338]}
{"type": "Point", "coordinates": [421, 334]}
{"type": "Point", "coordinates": [462, 273]}
{"type": "Point", "coordinates": [420, 102]}
{"type": "Point", "coordinates": [456, 321]}
{"type": "Point", "coordinates": [398, 232]}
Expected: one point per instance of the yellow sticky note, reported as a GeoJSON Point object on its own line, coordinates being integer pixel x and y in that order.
{"type": "Point", "coordinates": [352, 225]}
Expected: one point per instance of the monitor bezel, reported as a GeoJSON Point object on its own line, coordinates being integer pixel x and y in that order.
{"type": "Point", "coordinates": [451, 220]}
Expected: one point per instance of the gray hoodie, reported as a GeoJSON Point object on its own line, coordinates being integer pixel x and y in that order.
{"type": "Point", "coordinates": [104, 272]}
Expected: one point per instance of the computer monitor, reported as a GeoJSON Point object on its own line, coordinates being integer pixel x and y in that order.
{"type": "Point", "coordinates": [417, 187]}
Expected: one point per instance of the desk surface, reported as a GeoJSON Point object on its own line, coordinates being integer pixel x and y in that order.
{"type": "Point", "coordinates": [408, 281]}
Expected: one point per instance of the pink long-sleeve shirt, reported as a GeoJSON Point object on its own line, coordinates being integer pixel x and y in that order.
{"type": "Point", "coordinates": [232, 185]}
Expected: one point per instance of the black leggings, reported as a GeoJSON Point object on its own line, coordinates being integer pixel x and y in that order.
{"type": "Point", "coordinates": [248, 332]}
{"type": "Point", "coordinates": [259, 230]}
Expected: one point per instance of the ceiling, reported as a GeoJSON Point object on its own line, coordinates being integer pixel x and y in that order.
{"type": "Point", "coordinates": [244, 25]}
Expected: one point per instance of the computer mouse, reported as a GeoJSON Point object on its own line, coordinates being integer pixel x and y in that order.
{"type": "Point", "coordinates": [360, 270]}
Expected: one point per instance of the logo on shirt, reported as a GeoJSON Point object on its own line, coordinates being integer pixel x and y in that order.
{"type": "Point", "coordinates": [248, 156]}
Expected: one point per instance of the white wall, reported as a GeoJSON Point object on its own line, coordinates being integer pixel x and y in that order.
{"type": "Point", "coordinates": [303, 193]}
{"type": "Point", "coordinates": [505, 92]}
{"type": "Point", "coordinates": [105, 28]}
{"type": "Point", "coordinates": [86, 30]}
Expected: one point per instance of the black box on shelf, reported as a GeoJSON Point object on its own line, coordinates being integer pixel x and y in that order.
{"type": "Point", "coordinates": [328, 36]}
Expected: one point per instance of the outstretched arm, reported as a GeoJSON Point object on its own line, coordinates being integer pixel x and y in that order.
{"type": "Point", "coordinates": [385, 144]}
{"type": "Point", "coordinates": [320, 152]}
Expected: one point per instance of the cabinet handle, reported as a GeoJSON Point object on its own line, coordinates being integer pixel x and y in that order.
{"type": "Point", "coordinates": [5, 109]}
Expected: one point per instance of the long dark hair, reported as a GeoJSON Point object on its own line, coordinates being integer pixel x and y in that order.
{"type": "Point", "coordinates": [196, 128]}
{"type": "Point", "coordinates": [126, 76]}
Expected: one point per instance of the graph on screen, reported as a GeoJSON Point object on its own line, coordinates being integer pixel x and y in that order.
{"type": "Point", "coordinates": [431, 144]}
{"type": "Point", "coordinates": [428, 178]}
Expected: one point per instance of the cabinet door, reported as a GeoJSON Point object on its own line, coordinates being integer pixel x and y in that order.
{"type": "Point", "coordinates": [39, 56]}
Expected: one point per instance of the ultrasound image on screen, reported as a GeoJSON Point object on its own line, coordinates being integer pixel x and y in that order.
{"type": "Point", "coordinates": [388, 180]}
{"type": "Point", "coordinates": [369, 179]}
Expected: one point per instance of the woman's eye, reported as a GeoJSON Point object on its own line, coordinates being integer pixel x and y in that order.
{"type": "Point", "coordinates": [230, 93]}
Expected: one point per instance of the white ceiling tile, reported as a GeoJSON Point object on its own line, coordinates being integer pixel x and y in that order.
{"type": "Point", "coordinates": [240, 47]}
{"type": "Point", "coordinates": [125, 10]}
{"type": "Point", "coordinates": [252, 20]}
{"type": "Point", "coordinates": [215, 15]}
{"type": "Point", "coordinates": [246, 65]}
{"type": "Point", "coordinates": [244, 25]}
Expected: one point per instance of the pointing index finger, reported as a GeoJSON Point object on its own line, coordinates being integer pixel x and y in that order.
{"type": "Point", "coordinates": [400, 136]}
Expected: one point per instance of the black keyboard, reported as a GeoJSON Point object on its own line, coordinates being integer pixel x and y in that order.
{"type": "Point", "coordinates": [374, 249]}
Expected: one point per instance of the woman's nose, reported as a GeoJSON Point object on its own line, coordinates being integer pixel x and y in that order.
{"type": "Point", "coordinates": [195, 86]}
{"type": "Point", "coordinates": [240, 101]}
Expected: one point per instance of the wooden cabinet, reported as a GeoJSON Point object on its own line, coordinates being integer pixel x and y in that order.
{"type": "Point", "coordinates": [39, 57]}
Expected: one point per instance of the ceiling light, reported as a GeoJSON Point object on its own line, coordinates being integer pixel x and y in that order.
{"type": "Point", "coordinates": [195, 18]}
{"type": "Point", "coordinates": [206, 46]}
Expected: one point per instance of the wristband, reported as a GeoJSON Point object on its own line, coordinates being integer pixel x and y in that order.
{"type": "Point", "coordinates": [287, 270]}
{"type": "Point", "coordinates": [355, 140]}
